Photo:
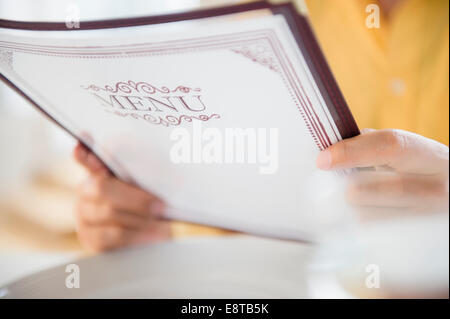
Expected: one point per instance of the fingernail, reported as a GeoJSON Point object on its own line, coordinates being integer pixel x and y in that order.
{"type": "Point", "coordinates": [157, 209]}
{"type": "Point", "coordinates": [80, 152]}
{"type": "Point", "coordinates": [93, 162]}
{"type": "Point", "coordinates": [324, 160]}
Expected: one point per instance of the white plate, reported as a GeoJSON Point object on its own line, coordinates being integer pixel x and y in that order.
{"type": "Point", "coordinates": [237, 267]}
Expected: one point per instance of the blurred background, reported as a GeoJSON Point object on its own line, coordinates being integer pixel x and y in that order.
{"type": "Point", "coordinates": [38, 176]}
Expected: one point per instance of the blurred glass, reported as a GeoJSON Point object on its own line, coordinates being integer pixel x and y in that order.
{"type": "Point", "coordinates": [375, 252]}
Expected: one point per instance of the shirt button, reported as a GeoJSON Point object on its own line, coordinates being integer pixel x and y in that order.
{"type": "Point", "coordinates": [397, 86]}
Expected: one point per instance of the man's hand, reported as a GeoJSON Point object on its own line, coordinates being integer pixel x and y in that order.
{"type": "Point", "coordinates": [409, 170]}
{"type": "Point", "coordinates": [111, 213]}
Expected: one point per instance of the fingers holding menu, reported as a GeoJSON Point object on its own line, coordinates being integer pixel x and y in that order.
{"type": "Point", "coordinates": [89, 160]}
{"type": "Point", "coordinates": [399, 150]}
{"type": "Point", "coordinates": [111, 213]}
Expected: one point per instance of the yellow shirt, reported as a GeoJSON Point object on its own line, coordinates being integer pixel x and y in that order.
{"type": "Point", "coordinates": [394, 76]}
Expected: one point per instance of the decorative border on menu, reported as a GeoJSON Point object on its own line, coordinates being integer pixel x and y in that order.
{"type": "Point", "coordinates": [298, 25]}
{"type": "Point", "coordinates": [266, 39]}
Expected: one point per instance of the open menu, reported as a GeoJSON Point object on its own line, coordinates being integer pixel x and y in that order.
{"type": "Point", "coordinates": [221, 112]}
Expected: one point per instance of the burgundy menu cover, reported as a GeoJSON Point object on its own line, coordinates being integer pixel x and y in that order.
{"type": "Point", "coordinates": [219, 111]}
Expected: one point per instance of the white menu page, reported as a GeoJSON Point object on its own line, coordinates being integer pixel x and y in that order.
{"type": "Point", "coordinates": [219, 116]}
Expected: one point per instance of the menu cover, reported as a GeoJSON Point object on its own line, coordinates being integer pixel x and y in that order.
{"type": "Point", "coordinates": [221, 112]}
